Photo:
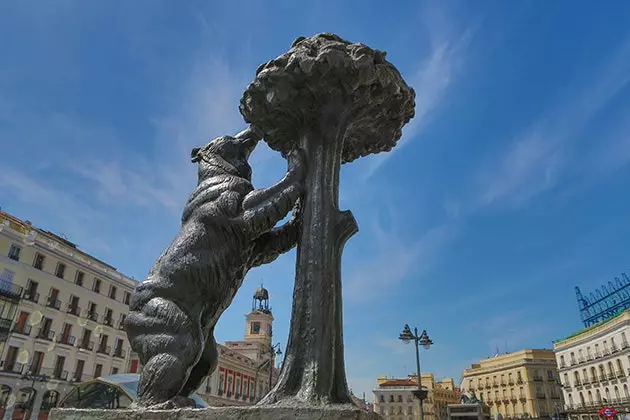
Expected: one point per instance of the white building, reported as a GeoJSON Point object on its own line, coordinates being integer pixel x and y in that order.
{"type": "Point", "coordinates": [61, 314]}
{"type": "Point", "coordinates": [594, 365]}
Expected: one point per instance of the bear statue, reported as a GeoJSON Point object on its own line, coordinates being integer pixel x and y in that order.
{"type": "Point", "coordinates": [227, 228]}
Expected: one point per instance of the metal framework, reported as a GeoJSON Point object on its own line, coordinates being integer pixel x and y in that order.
{"type": "Point", "coordinates": [605, 302]}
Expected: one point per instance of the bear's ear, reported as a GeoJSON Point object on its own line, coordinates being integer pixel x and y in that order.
{"type": "Point", "coordinates": [194, 155]}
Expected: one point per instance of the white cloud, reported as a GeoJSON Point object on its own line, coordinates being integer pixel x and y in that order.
{"type": "Point", "coordinates": [534, 161]}
{"type": "Point", "coordinates": [433, 78]}
{"type": "Point", "coordinates": [380, 273]}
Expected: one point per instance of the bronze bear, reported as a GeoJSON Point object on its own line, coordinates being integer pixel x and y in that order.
{"type": "Point", "coordinates": [227, 228]}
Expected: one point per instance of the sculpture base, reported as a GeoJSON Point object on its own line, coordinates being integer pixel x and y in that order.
{"type": "Point", "coordinates": [220, 413]}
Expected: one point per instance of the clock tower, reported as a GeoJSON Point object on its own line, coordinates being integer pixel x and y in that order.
{"type": "Point", "coordinates": [259, 322]}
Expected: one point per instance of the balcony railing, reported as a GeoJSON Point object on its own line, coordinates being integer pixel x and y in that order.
{"type": "Point", "coordinates": [606, 352]}
{"type": "Point", "coordinates": [91, 315]}
{"type": "Point", "coordinates": [10, 290]}
{"type": "Point", "coordinates": [21, 329]}
{"type": "Point", "coordinates": [108, 321]}
{"type": "Point", "coordinates": [73, 309]}
{"type": "Point", "coordinates": [86, 345]}
{"type": "Point", "coordinates": [624, 344]}
{"type": "Point", "coordinates": [45, 334]}
{"type": "Point", "coordinates": [31, 295]}
{"type": "Point", "coordinates": [598, 355]}
{"type": "Point", "coordinates": [11, 367]}
{"type": "Point", "coordinates": [540, 395]}
{"type": "Point", "coordinates": [53, 303]}
{"type": "Point", "coordinates": [120, 353]}
{"type": "Point", "coordinates": [537, 378]}
{"type": "Point", "coordinates": [603, 377]}
{"type": "Point", "coordinates": [562, 365]}
{"type": "Point", "coordinates": [102, 349]}
{"type": "Point", "coordinates": [68, 340]}
{"type": "Point", "coordinates": [614, 348]}
{"type": "Point", "coordinates": [121, 325]}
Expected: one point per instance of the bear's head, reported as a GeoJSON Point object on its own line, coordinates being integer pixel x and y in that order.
{"type": "Point", "coordinates": [233, 150]}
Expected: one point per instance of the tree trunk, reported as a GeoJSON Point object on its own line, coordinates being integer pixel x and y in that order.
{"type": "Point", "coordinates": [313, 370]}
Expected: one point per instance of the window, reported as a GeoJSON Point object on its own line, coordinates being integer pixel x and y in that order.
{"type": "Point", "coordinates": [78, 372]}
{"type": "Point", "coordinates": [255, 328]}
{"type": "Point", "coordinates": [221, 383]}
{"type": "Point", "coordinates": [98, 370]}
{"type": "Point", "coordinates": [38, 262]}
{"type": "Point", "coordinates": [78, 280]}
{"type": "Point", "coordinates": [121, 323]}
{"type": "Point", "coordinates": [112, 291]}
{"type": "Point", "coordinates": [229, 386]}
{"type": "Point", "coordinates": [53, 298]}
{"type": "Point", "coordinates": [237, 391]}
{"type": "Point", "coordinates": [36, 364]}
{"type": "Point", "coordinates": [7, 275]}
{"type": "Point", "coordinates": [550, 374]}
{"type": "Point", "coordinates": [126, 297]}
{"type": "Point", "coordinates": [97, 285]}
{"type": "Point", "coordinates": [107, 320]}
{"type": "Point", "coordinates": [14, 252]}
{"type": "Point", "coordinates": [58, 369]}
{"type": "Point", "coordinates": [382, 398]}
{"type": "Point", "coordinates": [114, 370]}
{"type": "Point", "coordinates": [61, 270]}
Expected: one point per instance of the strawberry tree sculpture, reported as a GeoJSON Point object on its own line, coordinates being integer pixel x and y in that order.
{"type": "Point", "coordinates": [334, 101]}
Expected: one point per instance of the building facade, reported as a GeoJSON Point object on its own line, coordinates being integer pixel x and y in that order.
{"type": "Point", "coordinates": [61, 317]}
{"type": "Point", "coordinates": [522, 384]}
{"type": "Point", "coordinates": [394, 398]}
{"type": "Point", "coordinates": [594, 366]}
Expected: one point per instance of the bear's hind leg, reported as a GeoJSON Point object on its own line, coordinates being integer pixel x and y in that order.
{"type": "Point", "coordinates": [169, 344]}
{"type": "Point", "coordinates": [204, 367]}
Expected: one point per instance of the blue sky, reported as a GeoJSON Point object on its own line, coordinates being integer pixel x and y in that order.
{"type": "Point", "coordinates": [509, 187]}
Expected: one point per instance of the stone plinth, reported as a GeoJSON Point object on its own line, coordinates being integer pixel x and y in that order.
{"type": "Point", "coordinates": [219, 413]}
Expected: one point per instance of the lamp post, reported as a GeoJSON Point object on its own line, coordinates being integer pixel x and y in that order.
{"type": "Point", "coordinates": [33, 377]}
{"type": "Point", "coordinates": [273, 351]}
{"type": "Point", "coordinates": [420, 340]}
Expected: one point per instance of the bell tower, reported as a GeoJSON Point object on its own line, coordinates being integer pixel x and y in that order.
{"type": "Point", "coordinates": [259, 322]}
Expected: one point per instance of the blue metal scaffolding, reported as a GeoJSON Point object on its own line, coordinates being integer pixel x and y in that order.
{"type": "Point", "coordinates": [604, 303]}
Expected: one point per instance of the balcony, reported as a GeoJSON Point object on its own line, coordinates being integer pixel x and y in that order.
{"type": "Point", "coordinates": [22, 329]}
{"type": "Point", "coordinates": [589, 357]}
{"type": "Point", "coordinates": [86, 345]}
{"type": "Point", "coordinates": [31, 295]}
{"type": "Point", "coordinates": [102, 349]}
{"type": "Point", "coordinates": [108, 321]}
{"type": "Point", "coordinates": [540, 395]}
{"type": "Point", "coordinates": [91, 315]}
{"type": "Point", "coordinates": [503, 383]}
{"type": "Point", "coordinates": [573, 362]}
{"type": "Point", "coordinates": [519, 381]}
{"type": "Point", "coordinates": [11, 367]}
{"type": "Point", "coordinates": [67, 340]}
{"type": "Point", "coordinates": [522, 398]}
{"type": "Point", "coordinates": [121, 325]}
{"type": "Point", "coordinates": [511, 382]}
{"type": "Point", "coordinates": [10, 290]}
{"type": "Point", "coordinates": [606, 352]}
{"type": "Point", "coordinates": [45, 334]}
{"type": "Point", "coordinates": [598, 355]}
{"type": "Point", "coordinates": [562, 365]}
{"type": "Point", "coordinates": [119, 352]}
{"type": "Point", "coordinates": [624, 345]}
{"type": "Point", "coordinates": [551, 379]}
{"type": "Point", "coordinates": [614, 348]}
{"type": "Point", "coordinates": [53, 303]}
{"type": "Point", "coordinates": [495, 384]}
{"type": "Point", "coordinates": [537, 378]}
{"type": "Point", "coordinates": [73, 309]}
{"type": "Point", "coordinates": [488, 386]}
{"type": "Point", "coordinates": [603, 377]}
{"type": "Point", "coordinates": [60, 375]}
{"type": "Point", "coordinates": [578, 383]}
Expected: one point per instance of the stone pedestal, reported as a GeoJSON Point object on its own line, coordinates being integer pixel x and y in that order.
{"type": "Point", "coordinates": [220, 413]}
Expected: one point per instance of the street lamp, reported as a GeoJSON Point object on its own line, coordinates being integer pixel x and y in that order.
{"type": "Point", "coordinates": [33, 377]}
{"type": "Point", "coordinates": [273, 351]}
{"type": "Point", "coordinates": [420, 340]}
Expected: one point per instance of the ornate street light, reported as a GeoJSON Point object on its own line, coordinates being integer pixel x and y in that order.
{"type": "Point", "coordinates": [420, 340]}
{"type": "Point", "coordinates": [273, 351]}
